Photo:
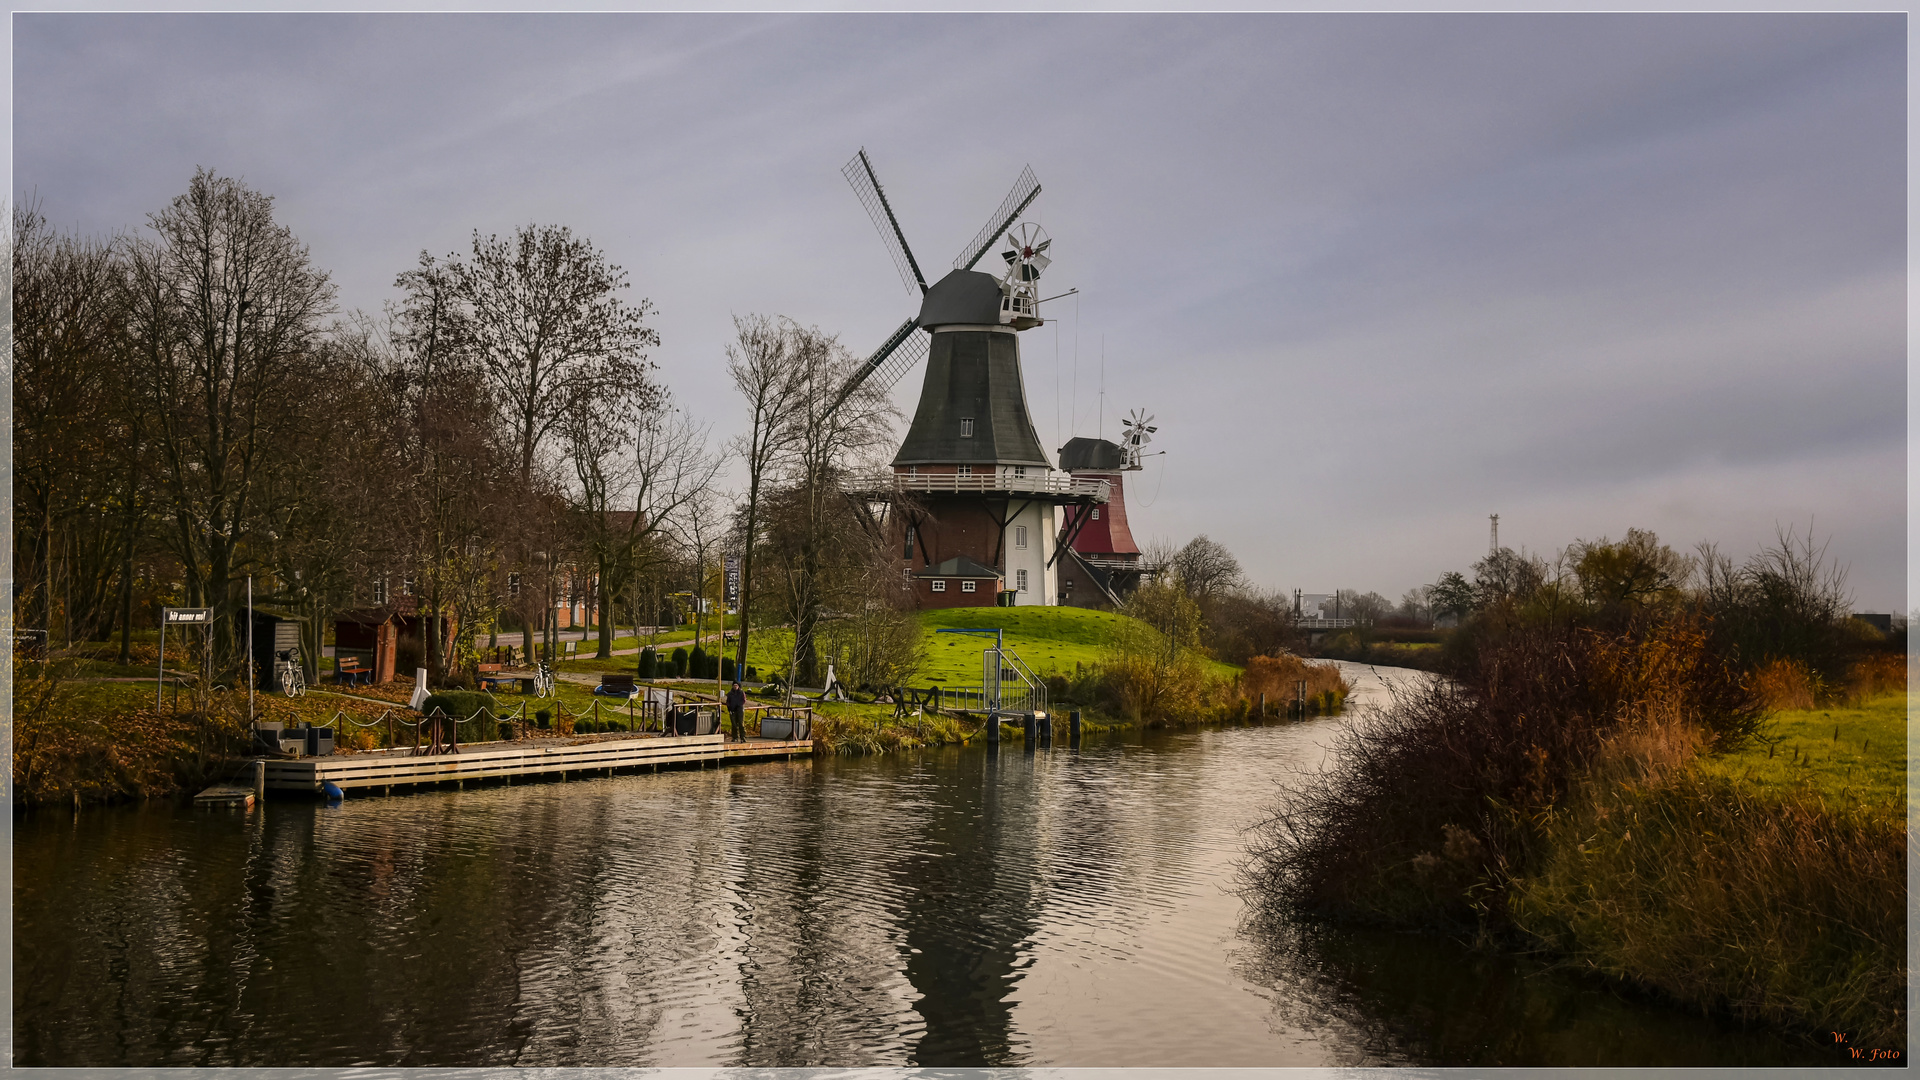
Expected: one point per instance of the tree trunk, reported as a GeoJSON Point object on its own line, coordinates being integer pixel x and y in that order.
{"type": "Point", "coordinates": [126, 605]}
{"type": "Point", "coordinates": [604, 606]}
{"type": "Point", "coordinates": [746, 580]}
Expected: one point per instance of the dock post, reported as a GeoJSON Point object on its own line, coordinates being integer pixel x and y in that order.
{"type": "Point", "coordinates": [1073, 729]}
{"type": "Point", "coordinates": [993, 729]}
{"type": "Point", "coordinates": [1046, 730]}
{"type": "Point", "coordinates": [1263, 706]}
{"type": "Point", "coordinates": [260, 780]}
{"type": "Point", "coordinates": [1027, 731]}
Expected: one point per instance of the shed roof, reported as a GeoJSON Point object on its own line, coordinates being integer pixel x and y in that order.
{"type": "Point", "coordinates": [959, 567]}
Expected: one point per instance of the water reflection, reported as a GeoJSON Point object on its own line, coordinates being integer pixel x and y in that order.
{"type": "Point", "coordinates": [1411, 999]}
{"type": "Point", "coordinates": [945, 909]}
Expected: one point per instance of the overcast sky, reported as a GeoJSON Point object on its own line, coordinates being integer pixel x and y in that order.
{"type": "Point", "coordinates": [1376, 277]}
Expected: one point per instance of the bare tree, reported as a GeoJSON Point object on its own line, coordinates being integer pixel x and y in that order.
{"type": "Point", "coordinates": [77, 528]}
{"type": "Point", "coordinates": [1363, 608]}
{"type": "Point", "coordinates": [629, 486]}
{"type": "Point", "coordinates": [1205, 567]}
{"type": "Point", "coordinates": [544, 321]}
{"type": "Point", "coordinates": [762, 363]}
{"type": "Point", "coordinates": [825, 554]}
{"type": "Point", "coordinates": [223, 303]}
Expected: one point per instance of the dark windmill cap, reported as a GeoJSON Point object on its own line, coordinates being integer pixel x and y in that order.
{"type": "Point", "coordinates": [1082, 454]}
{"type": "Point", "coordinates": [964, 297]}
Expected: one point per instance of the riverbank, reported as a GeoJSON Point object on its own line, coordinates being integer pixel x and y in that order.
{"type": "Point", "coordinates": [1769, 883]}
{"type": "Point", "coordinates": [1609, 802]}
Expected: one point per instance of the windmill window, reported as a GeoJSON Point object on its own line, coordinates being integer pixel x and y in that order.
{"type": "Point", "coordinates": [379, 590]}
{"type": "Point", "coordinates": [513, 584]}
{"type": "Point", "coordinates": [1096, 513]}
{"type": "Point", "coordinates": [1020, 580]}
{"type": "Point", "coordinates": [966, 586]}
{"type": "Point", "coordinates": [406, 587]}
{"type": "Point", "coordinates": [1019, 470]}
{"type": "Point", "coordinates": [907, 553]}
{"type": "Point", "coordinates": [939, 586]}
{"type": "Point", "coordinates": [1020, 538]}
{"type": "Point", "coordinates": [966, 470]}
{"type": "Point", "coordinates": [966, 427]}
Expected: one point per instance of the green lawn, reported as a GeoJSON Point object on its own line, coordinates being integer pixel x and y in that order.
{"type": "Point", "coordinates": [1858, 750]}
{"type": "Point", "coordinates": [1050, 640]}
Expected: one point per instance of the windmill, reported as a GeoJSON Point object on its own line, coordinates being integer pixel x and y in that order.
{"type": "Point", "coordinates": [1103, 553]}
{"type": "Point", "coordinates": [1139, 432]}
{"type": "Point", "coordinates": [904, 348]}
{"type": "Point", "coordinates": [990, 497]}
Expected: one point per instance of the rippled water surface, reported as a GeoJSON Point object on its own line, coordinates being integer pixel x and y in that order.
{"type": "Point", "coordinates": [947, 908]}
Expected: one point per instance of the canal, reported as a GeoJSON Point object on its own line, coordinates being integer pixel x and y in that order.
{"type": "Point", "coordinates": [945, 908]}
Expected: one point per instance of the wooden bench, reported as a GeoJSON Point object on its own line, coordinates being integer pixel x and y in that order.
{"type": "Point", "coordinates": [491, 677]}
{"type": "Point", "coordinates": [349, 671]}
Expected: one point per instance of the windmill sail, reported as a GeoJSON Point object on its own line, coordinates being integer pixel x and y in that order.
{"type": "Point", "coordinates": [866, 186]}
{"type": "Point", "coordinates": [1026, 188]}
{"type": "Point", "coordinates": [889, 363]}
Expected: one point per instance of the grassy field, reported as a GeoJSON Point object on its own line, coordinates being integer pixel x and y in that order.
{"type": "Point", "coordinates": [1050, 640]}
{"type": "Point", "coordinates": [1858, 751]}
{"type": "Point", "coordinates": [1769, 882]}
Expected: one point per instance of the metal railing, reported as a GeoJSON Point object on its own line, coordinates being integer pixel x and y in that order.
{"type": "Point", "coordinates": [1322, 624]}
{"type": "Point", "coordinates": [1037, 483]}
{"type": "Point", "coordinates": [977, 699]}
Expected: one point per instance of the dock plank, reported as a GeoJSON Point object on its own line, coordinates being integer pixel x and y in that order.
{"type": "Point", "coordinates": [533, 757]}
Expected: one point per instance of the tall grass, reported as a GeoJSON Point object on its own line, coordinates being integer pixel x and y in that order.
{"type": "Point", "coordinates": [1772, 908]}
{"type": "Point", "coordinates": [1427, 812]}
{"type": "Point", "coordinates": [1276, 679]}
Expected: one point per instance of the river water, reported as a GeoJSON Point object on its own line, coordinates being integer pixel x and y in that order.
{"type": "Point", "coordinates": [945, 908]}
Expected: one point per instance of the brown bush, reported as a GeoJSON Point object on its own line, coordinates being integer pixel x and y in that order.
{"type": "Point", "coordinates": [1786, 684]}
{"type": "Point", "coordinates": [1382, 834]}
{"type": "Point", "coordinates": [1880, 673]}
{"type": "Point", "coordinates": [1276, 677]}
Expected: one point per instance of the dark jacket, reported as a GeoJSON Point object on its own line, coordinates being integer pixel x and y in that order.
{"type": "Point", "coordinates": [736, 700]}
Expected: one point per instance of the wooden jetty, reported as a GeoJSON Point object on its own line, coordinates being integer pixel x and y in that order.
{"type": "Point", "coordinates": [403, 767]}
{"type": "Point", "coordinates": [225, 795]}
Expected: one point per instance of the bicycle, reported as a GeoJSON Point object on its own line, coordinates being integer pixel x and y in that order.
{"type": "Point", "coordinates": [293, 681]}
{"type": "Point", "coordinates": [543, 680]}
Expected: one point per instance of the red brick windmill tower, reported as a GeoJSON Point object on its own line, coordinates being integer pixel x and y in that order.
{"type": "Point", "coordinates": [977, 509]}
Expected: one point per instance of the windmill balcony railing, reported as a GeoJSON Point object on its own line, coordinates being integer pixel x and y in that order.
{"type": "Point", "coordinates": [1114, 562]}
{"type": "Point", "coordinates": [980, 483]}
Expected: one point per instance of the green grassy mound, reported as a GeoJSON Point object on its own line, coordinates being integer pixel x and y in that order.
{"type": "Point", "coordinates": [1050, 640]}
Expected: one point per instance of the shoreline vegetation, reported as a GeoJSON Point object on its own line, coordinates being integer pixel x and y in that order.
{"type": "Point", "coordinates": [87, 730]}
{"type": "Point", "coordinates": [1682, 775]}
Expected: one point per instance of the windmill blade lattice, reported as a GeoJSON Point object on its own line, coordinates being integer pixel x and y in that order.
{"type": "Point", "coordinates": [866, 186]}
{"type": "Point", "coordinates": [1026, 188]}
{"type": "Point", "coordinates": [904, 348]}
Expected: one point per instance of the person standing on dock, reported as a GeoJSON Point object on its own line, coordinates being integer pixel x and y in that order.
{"type": "Point", "coordinates": [737, 705]}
